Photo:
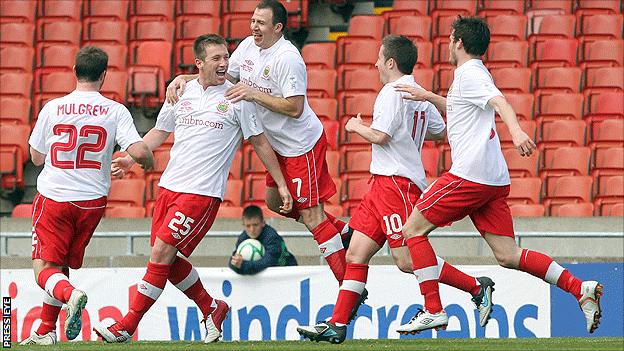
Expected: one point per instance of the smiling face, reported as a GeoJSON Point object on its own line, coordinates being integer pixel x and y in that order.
{"type": "Point", "coordinates": [453, 50]}
{"type": "Point", "coordinates": [383, 66]}
{"type": "Point", "coordinates": [264, 32]}
{"type": "Point", "coordinates": [214, 66]}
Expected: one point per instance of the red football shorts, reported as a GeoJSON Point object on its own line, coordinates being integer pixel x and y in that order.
{"type": "Point", "coordinates": [61, 231]}
{"type": "Point", "coordinates": [451, 198]}
{"type": "Point", "coordinates": [182, 219]}
{"type": "Point", "coordinates": [385, 208]}
{"type": "Point", "coordinates": [307, 176]}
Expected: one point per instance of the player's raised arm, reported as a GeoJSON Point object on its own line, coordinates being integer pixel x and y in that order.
{"type": "Point", "coordinates": [355, 125]}
{"type": "Point", "coordinates": [521, 140]}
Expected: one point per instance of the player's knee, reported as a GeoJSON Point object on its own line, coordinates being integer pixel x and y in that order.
{"type": "Point", "coordinates": [312, 216]}
{"type": "Point", "coordinates": [506, 260]}
{"type": "Point", "coordinates": [355, 257]}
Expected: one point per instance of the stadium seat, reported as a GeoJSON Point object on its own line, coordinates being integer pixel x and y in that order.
{"type": "Point", "coordinates": [115, 85]}
{"type": "Point", "coordinates": [488, 8]}
{"type": "Point", "coordinates": [607, 162]}
{"type": "Point", "coordinates": [333, 163]}
{"type": "Point", "coordinates": [17, 33]}
{"type": "Point", "coordinates": [127, 192]}
{"type": "Point", "coordinates": [565, 161]}
{"type": "Point", "coordinates": [184, 57]}
{"type": "Point", "coordinates": [16, 58]}
{"type": "Point", "coordinates": [603, 106]}
{"type": "Point", "coordinates": [151, 191]}
{"type": "Point", "coordinates": [325, 108]}
{"type": "Point", "coordinates": [554, 52]}
{"type": "Point", "coordinates": [525, 210]}
{"type": "Point", "coordinates": [53, 55]}
{"type": "Point", "coordinates": [558, 80]}
{"type": "Point", "coordinates": [424, 77]}
{"type": "Point", "coordinates": [319, 55]}
{"type": "Point", "coordinates": [150, 55]}
{"type": "Point", "coordinates": [63, 10]}
{"type": "Point", "coordinates": [356, 163]}
{"type": "Point", "coordinates": [102, 9]}
{"type": "Point", "coordinates": [443, 80]}
{"type": "Point", "coordinates": [425, 52]}
{"type": "Point", "coordinates": [353, 190]}
{"type": "Point", "coordinates": [521, 166]}
{"type": "Point", "coordinates": [15, 110]}
{"type": "Point", "coordinates": [528, 126]}
{"type": "Point", "coordinates": [523, 104]}
{"type": "Point", "coordinates": [198, 8]}
{"type": "Point", "coordinates": [53, 30]}
{"type": "Point", "coordinates": [507, 27]}
{"type": "Point", "coordinates": [407, 8]}
{"type": "Point", "coordinates": [254, 192]}
{"type": "Point", "coordinates": [610, 194]}
{"type": "Point", "coordinates": [440, 47]}
{"type": "Point", "coordinates": [230, 212]}
{"type": "Point", "coordinates": [147, 29]}
{"type": "Point", "coordinates": [568, 189]}
{"type": "Point", "coordinates": [608, 133]}
{"type": "Point", "coordinates": [361, 53]}
{"type": "Point", "coordinates": [602, 53]}
{"type": "Point", "coordinates": [190, 27]}
{"type": "Point", "coordinates": [542, 28]}
{"type": "Point", "coordinates": [96, 31]}
{"type": "Point", "coordinates": [507, 54]}
{"type": "Point", "coordinates": [236, 27]}
{"type": "Point", "coordinates": [22, 211]}
{"type": "Point", "coordinates": [512, 80]}
{"type": "Point", "coordinates": [18, 11]}
{"type": "Point", "coordinates": [525, 191]}
{"type": "Point", "coordinates": [431, 161]}
{"type": "Point", "coordinates": [14, 138]}
{"type": "Point", "coordinates": [163, 9]}
{"type": "Point", "coordinates": [600, 27]}
{"type": "Point", "coordinates": [562, 133]}
{"type": "Point", "coordinates": [351, 105]}
{"type": "Point", "coordinates": [417, 28]}
{"type": "Point", "coordinates": [360, 79]}
{"type": "Point", "coordinates": [452, 8]}
{"type": "Point", "coordinates": [239, 6]}
{"type": "Point", "coordinates": [581, 209]}
{"type": "Point", "coordinates": [54, 82]}
{"type": "Point", "coordinates": [251, 161]}
{"type": "Point", "coordinates": [604, 79]}
{"type": "Point", "coordinates": [616, 210]}
{"type": "Point", "coordinates": [117, 56]}
{"type": "Point", "coordinates": [364, 26]}
{"type": "Point", "coordinates": [331, 132]}
{"type": "Point", "coordinates": [321, 83]}
{"type": "Point", "coordinates": [556, 6]}
{"type": "Point", "coordinates": [124, 212]}
{"type": "Point", "coordinates": [233, 193]}
{"type": "Point", "coordinates": [560, 106]}
{"type": "Point", "coordinates": [598, 6]}
{"type": "Point", "coordinates": [16, 84]}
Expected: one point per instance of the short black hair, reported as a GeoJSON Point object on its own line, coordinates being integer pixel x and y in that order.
{"type": "Point", "coordinates": [402, 50]}
{"type": "Point", "coordinates": [91, 61]}
{"type": "Point", "coordinates": [474, 34]}
{"type": "Point", "coordinates": [253, 211]}
{"type": "Point", "coordinates": [199, 46]}
{"type": "Point", "coordinates": [280, 15]}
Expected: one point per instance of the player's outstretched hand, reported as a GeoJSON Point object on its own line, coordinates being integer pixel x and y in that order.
{"type": "Point", "coordinates": [523, 143]}
{"type": "Point", "coordinates": [120, 166]}
{"type": "Point", "coordinates": [353, 122]}
{"type": "Point", "coordinates": [175, 87]}
{"type": "Point", "coordinates": [416, 94]}
{"type": "Point", "coordinates": [240, 91]}
{"type": "Point", "coordinates": [287, 201]}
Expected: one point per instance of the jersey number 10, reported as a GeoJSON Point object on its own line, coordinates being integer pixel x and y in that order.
{"type": "Point", "coordinates": [72, 142]}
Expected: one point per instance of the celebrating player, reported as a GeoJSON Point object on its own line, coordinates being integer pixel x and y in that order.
{"type": "Point", "coordinates": [207, 129]}
{"type": "Point", "coordinates": [74, 137]}
{"type": "Point", "coordinates": [477, 184]}
{"type": "Point", "coordinates": [397, 134]}
{"type": "Point", "coordinates": [272, 74]}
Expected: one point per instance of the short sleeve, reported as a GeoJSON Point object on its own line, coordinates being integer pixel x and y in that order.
{"type": "Point", "coordinates": [292, 77]}
{"type": "Point", "coordinates": [248, 119]}
{"type": "Point", "coordinates": [477, 87]}
{"type": "Point", "coordinates": [435, 124]}
{"type": "Point", "coordinates": [38, 137]}
{"type": "Point", "coordinates": [388, 111]}
{"type": "Point", "coordinates": [166, 118]}
{"type": "Point", "coordinates": [126, 133]}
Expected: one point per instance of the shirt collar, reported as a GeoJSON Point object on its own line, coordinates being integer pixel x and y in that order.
{"type": "Point", "coordinates": [468, 64]}
{"type": "Point", "coordinates": [274, 47]}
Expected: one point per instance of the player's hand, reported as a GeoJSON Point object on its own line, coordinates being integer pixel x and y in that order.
{"type": "Point", "coordinates": [523, 143]}
{"type": "Point", "coordinates": [237, 260]}
{"type": "Point", "coordinates": [120, 166]}
{"type": "Point", "coordinates": [416, 94]}
{"type": "Point", "coordinates": [353, 122]}
{"type": "Point", "coordinates": [240, 91]}
{"type": "Point", "coordinates": [174, 88]}
{"type": "Point", "coordinates": [287, 201]}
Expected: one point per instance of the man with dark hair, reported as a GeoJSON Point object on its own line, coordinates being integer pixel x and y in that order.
{"type": "Point", "coordinates": [477, 184]}
{"type": "Point", "coordinates": [208, 130]}
{"type": "Point", "coordinates": [275, 252]}
{"type": "Point", "coordinates": [272, 74]}
{"type": "Point", "coordinates": [397, 134]}
{"type": "Point", "coordinates": [74, 137]}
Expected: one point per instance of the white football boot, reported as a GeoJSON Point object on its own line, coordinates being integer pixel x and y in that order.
{"type": "Point", "coordinates": [73, 321]}
{"type": "Point", "coordinates": [213, 322]}
{"type": "Point", "coordinates": [48, 338]}
{"type": "Point", "coordinates": [591, 292]}
{"type": "Point", "coordinates": [423, 320]}
{"type": "Point", "coordinates": [113, 334]}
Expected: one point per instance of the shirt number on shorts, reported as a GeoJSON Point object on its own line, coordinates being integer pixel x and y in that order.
{"type": "Point", "coordinates": [393, 223]}
{"type": "Point", "coordinates": [72, 142]}
{"type": "Point", "coordinates": [299, 182]}
{"type": "Point", "coordinates": [180, 219]}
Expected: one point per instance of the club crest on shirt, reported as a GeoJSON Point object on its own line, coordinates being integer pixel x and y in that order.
{"type": "Point", "coordinates": [265, 72]}
{"type": "Point", "coordinates": [223, 106]}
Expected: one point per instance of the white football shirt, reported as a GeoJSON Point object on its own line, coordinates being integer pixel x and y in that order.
{"type": "Point", "coordinates": [208, 130]}
{"type": "Point", "coordinates": [475, 146]}
{"type": "Point", "coordinates": [78, 133]}
{"type": "Point", "coordinates": [407, 123]}
{"type": "Point", "coordinates": [278, 71]}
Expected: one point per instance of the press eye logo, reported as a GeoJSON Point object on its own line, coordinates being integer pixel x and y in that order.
{"type": "Point", "coordinates": [6, 322]}
{"type": "Point", "coordinates": [265, 72]}
{"type": "Point", "coordinates": [223, 106]}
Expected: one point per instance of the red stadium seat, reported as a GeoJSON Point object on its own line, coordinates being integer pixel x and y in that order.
{"type": "Point", "coordinates": [18, 11]}
{"type": "Point", "coordinates": [239, 6]}
{"type": "Point", "coordinates": [17, 33]}
{"type": "Point", "coordinates": [602, 53]}
{"type": "Point", "coordinates": [190, 27]}
{"type": "Point", "coordinates": [508, 27]}
{"type": "Point", "coordinates": [254, 192]}
{"type": "Point", "coordinates": [16, 59]}
{"type": "Point", "coordinates": [522, 210]}
{"type": "Point", "coordinates": [560, 106]}
{"type": "Point", "coordinates": [362, 79]}
{"type": "Point", "coordinates": [608, 133]}
{"type": "Point", "coordinates": [117, 56]}
{"type": "Point", "coordinates": [362, 53]}
{"type": "Point", "coordinates": [581, 209]}
{"type": "Point", "coordinates": [127, 192]}
{"type": "Point", "coordinates": [598, 6]}
{"type": "Point", "coordinates": [616, 210]}
{"type": "Point", "coordinates": [115, 85]}
{"type": "Point", "coordinates": [452, 8]}
{"type": "Point", "coordinates": [568, 189]}
{"type": "Point", "coordinates": [417, 28]}
{"type": "Point", "coordinates": [231, 212]}
{"type": "Point", "coordinates": [424, 77]}
{"type": "Point", "coordinates": [425, 52]}
{"type": "Point", "coordinates": [321, 83]}
{"type": "Point", "coordinates": [443, 80]}
{"type": "Point", "coordinates": [331, 132]}
{"type": "Point", "coordinates": [521, 166]}
{"type": "Point", "coordinates": [431, 161]}
{"type": "Point", "coordinates": [565, 161]}
{"type": "Point", "coordinates": [512, 80]}
{"type": "Point", "coordinates": [199, 8]}
{"type": "Point", "coordinates": [554, 53]}
{"type": "Point", "coordinates": [54, 82]}
{"type": "Point", "coordinates": [58, 56]}
{"type": "Point", "coordinates": [525, 191]}
{"type": "Point", "coordinates": [251, 161]}
{"type": "Point", "coordinates": [96, 31]}
{"type": "Point", "coordinates": [528, 126]}
{"type": "Point", "coordinates": [233, 193]}
{"type": "Point", "coordinates": [53, 30]}
{"type": "Point", "coordinates": [558, 80]}
{"type": "Point", "coordinates": [22, 211]}
{"type": "Point", "coordinates": [542, 28]}
{"type": "Point", "coordinates": [604, 79]}
{"type": "Point", "coordinates": [610, 194]}
{"type": "Point", "coordinates": [408, 8]}
{"type": "Point", "coordinates": [603, 106]}
{"type": "Point", "coordinates": [148, 29]}
{"type": "Point", "coordinates": [319, 55]}
{"type": "Point", "coordinates": [363, 26]}
{"type": "Point", "coordinates": [236, 171]}
{"type": "Point", "coordinates": [489, 8]}
{"type": "Point", "coordinates": [362, 103]}
{"type": "Point", "coordinates": [124, 212]}
{"type": "Point", "coordinates": [507, 54]}
{"type": "Point", "coordinates": [184, 57]}
{"type": "Point", "coordinates": [333, 163]}
{"type": "Point", "coordinates": [61, 9]}
{"type": "Point", "coordinates": [236, 27]}
{"type": "Point", "coordinates": [13, 154]}
{"type": "Point", "coordinates": [163, 9]}
{"type": "Point", "coordinates": [523, 104]}
{"type": "Point", "coordinates": [152, 53]}
{"type": "Point", "coordinates": [102, 9]}
{"type": "Point", "coordinates": [563, 133]}
{"type": "Point", "coordinates": [600, 27]}
{"type": "Point", "coordinates": [145, 86]}
{"type": "Point", "coordinates": [356, 163]}
{"type": "Point", "coordinates": [353, 190]}
{"type": "Point", "coordinates": [607, 162]}
{"type": "Point", "coordinates": [14, 110]}
{"type": "Point", "coordinates": [16, 84]}
{"type": "Point", "coordinates": [325, 108]}
{"type": "Point", "coordinates": [558, 6]}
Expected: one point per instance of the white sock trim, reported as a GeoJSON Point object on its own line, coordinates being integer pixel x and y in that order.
{"type": "Point", "coordinates": [330, 246]}
{"type": "Point", "coordinates": [50, 300]}
{"type": "Point", "coordinates": [187, 282]}
{"type": "Point", "coordinates": [427, 273]}
{"type": "Point", "coordinates": [54, 279]}
{"type": "Point", "coordinates": [553, 273]}
{"type": "Point", "coordinates": [440, 265]}
{"type": "Point", "coordinates": [149, 290]}
{"type": "Point", "coordinates": [353, 285]}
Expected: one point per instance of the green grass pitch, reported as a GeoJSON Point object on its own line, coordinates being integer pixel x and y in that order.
{"type": "Point", "coordinates": [552, 344]}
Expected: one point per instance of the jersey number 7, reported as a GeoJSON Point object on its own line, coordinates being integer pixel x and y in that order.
{"type": "Point", "coordinates": [72, 142]}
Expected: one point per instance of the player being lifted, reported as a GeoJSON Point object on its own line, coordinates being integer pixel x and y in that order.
{"type": "Point", "coordinates": [272, 74]}
{"type": "Point", "coordinates": [477, 184]}
{"type": "Point", "coordinates": [207, 129]}
{"type": "Point", "coordinates": [397, 133]}
{"type": "Point", "coordinates": [74, 138]}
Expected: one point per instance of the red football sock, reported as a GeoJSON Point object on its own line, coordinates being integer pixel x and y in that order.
{"type": "Point", "coordinates": [543, 267]}
{"type": "Point", "coordinates": [49, 314]}
{"type": "Point", "coordinates": [350, 291]}
{"type": "Point", "coordinates": [184, 276]}
{"type": "Point", "coordinates": [452, 276]}
{"type": "Point", "coordinates": [340, 225]}
{"type": "Point", "coordinates": [55, 284]}
{"type": "Point", "coordinates": [330, 245]}
{"type": "Point", "coordinates": [425, 267]}
{"type": "Point", "coordinates": [148, 291]}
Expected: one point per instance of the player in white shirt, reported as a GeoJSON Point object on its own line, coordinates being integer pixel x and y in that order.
{"type": "Point", "coordinates": [477, 184]}
{"type": "Point", "coordinates": [397, 133]}
{"type": "Point", "coordinates": [272, 74]}
{"type": "Point", "coordinates": [74, 139]}
{"type": "Point", "coordinates": [208, 130]}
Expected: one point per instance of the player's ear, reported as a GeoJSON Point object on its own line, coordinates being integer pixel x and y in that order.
{"type": "Point", "coordinates": [279, 28]}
